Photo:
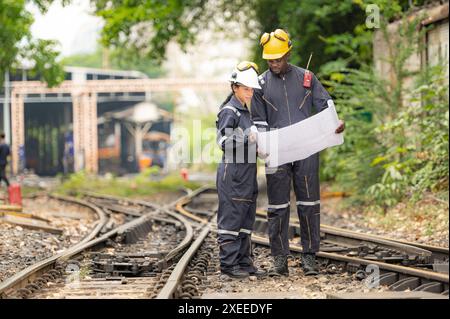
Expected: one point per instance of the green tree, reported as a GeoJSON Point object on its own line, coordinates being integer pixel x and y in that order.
{"type": "Point", "coordinates": [18, 45]}
{"type": "Point", "coordinates": [397, 136]}
{"type": "Point", "coordinates": [334, 30]}
{"type": "Point", "coordinates": [315, 27]}
{"type": "Point", "coordinates": [330, 29]}
{"type": "Point", "coordinates": [145, 27]}
{"type": "Point", "coordinates": [117, 60]}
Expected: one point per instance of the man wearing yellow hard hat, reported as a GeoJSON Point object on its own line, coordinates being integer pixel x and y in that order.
{"type": "Point", "coordinates": [287, 96]}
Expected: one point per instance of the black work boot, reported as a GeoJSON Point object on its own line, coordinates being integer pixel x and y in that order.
{"type": "Point", "coordinates": [235, 272]}
{"type": "Point", "coordinates": [309, 264]}
{"type": "Point", "coordinates": [279, 266]}
{"type": "Point", "coordinates": [253, 270]}
{"type": "Point", "coordinates": [258, 272]}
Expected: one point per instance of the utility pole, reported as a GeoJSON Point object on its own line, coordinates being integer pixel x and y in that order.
{"type": "Point", "coordinates": [6, 109]}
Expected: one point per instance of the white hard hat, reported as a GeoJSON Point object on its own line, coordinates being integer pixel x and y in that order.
{"type": "Point", "coordinates": [246, 74]}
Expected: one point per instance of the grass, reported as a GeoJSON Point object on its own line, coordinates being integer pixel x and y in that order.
{"type": "Point", "coordinates": [147, 183]}
{"type": "Point", "coordinates": [29, 190]}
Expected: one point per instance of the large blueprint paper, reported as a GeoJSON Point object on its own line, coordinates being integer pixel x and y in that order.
{"type": "Point", "coordinates": [302, 139]}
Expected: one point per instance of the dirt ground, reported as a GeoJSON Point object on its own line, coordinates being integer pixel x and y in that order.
{"type": "Point", "coordinates": [426, 221]}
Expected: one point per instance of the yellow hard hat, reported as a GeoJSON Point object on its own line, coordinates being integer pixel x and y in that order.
{"type": "Point", "coordinates": [275, 44]}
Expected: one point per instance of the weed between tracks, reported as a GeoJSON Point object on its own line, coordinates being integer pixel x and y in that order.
{"type": "Point", "coordinates": [144, 184]}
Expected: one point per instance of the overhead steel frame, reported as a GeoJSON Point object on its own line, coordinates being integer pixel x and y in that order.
{"type": "Point", "coordinates": [84, 104]}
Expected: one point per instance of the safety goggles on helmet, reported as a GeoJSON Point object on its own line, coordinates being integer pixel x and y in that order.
{"type": "Point", "coordinates": [246, 65]}
{"type": "Point", "coordinates": [246, 73]}
{"type": "Point", "coordinates": [280, 34]}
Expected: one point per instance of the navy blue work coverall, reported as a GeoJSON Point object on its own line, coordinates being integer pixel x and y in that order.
{"type": "Point", "coordinates": [283, 101]}
{"type": "Point", "coordinates": [236, 186]}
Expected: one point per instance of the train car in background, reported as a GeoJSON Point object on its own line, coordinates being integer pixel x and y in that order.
{"type": "Point", "coordinates": [133, 138]}
{"type": "Point", "coordinates": [154, 150]}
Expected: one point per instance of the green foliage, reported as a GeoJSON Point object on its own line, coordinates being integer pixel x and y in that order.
{"type": "Point", "coordinates": [360, 98]}
{"type": "Point", "coordinates": [418, 161]}
{"type": "Point", "coordinates": [310, 23]}
{"type": "Point", "coordinates": [44, 55]}
{"type": "Point", "coordinates": [87, 60]}
{"type": "Point", "coordinates": [401, 149]}
{"type": "Point", "coordinates": [118, 60]}
{"type": "Point", "coordinates": [147, 183]}
{"type": "Point", "coordinates": [18, 45]}
{"type": "Point", "coordinates": [144, 28]}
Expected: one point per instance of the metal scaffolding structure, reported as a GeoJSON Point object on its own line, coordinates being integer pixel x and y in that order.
{"type": "Point", "coordinates": [84, 104]}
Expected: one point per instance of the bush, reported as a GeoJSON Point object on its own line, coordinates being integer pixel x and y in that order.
{"type": "Point", "coordinates": [146, 183]}
{"type": "Point", "coordinates": [396, 140]}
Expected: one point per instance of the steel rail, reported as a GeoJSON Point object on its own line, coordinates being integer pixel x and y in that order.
{"type": "Point", "coordinates": [23, 277]}
{"type": "Point", "coordinates": [443, 278]}
{"type": "Point", "coordinates": [27, 275]}
{"type": "Point", "coordinates": [415, 248]}
{"type": "Point", "coordinates": [170, 287]}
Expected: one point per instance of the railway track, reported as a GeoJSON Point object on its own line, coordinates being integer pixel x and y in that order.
{"type": "Point", "coordinates": [39, 267]}
{"type": "Point", "coordinates": [42, 227]}
{"type": "Point", "coordinates": [398, 265]}
{"type": "Point", "coordinates": [170, 251]}
{"type": "Point", "coordinates": [400, 251]}
{"type": "Point", "coordinates": [109, 256]}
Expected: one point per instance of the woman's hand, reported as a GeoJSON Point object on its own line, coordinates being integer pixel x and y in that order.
{"type": "Point", "coordinates": [261, 154]}
{"type": "Point", "coordinates": [252, 137]}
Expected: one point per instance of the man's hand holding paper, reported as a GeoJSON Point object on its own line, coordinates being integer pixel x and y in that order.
{"type": "Point", "coordinates": [302, 139]}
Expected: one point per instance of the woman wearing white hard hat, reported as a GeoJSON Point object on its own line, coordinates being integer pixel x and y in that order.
{"type": "Point", "coordinates": [236, 175]}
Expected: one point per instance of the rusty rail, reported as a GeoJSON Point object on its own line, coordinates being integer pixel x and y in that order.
{"type": "Point", "coordinates": [26, 276]}
{"type": "Point", "coordinates": [22, 278]}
